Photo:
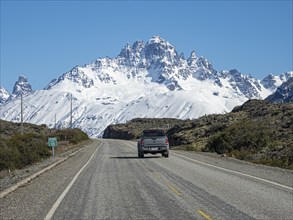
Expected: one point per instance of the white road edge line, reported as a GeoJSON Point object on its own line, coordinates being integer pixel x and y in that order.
{"type": "Point", "coordinates": [231, 171]}
{"type": "Point", "coordinates": [61, 197]}
{"type": "Point", "coordinates": [235, 172]}
{"type": "Point", "coordinates": [33, 176]}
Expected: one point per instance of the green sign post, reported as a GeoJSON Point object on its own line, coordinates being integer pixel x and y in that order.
{"type": "Point", "coordinates": [52, 142]}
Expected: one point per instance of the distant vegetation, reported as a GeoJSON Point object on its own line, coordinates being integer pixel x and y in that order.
{"type": "Point", "coordinates": [257, 131]}
{"type": "Point", "coordinates": [132, 130]}
{"type": "Point", "coordinates": [18, 151]}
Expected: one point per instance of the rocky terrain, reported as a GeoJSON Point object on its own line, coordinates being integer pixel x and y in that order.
{"type": "Point", "coordinates": [284, 93]}
{"type": "Point", "coordinates": [257, 131]}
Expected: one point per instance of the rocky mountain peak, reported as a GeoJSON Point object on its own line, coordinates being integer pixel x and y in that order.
{"type": "Point", "coordinates": [191, 61]}
{"type": "Point", "coordinates": [131, 55]}
{"type": "Point", "coordinates": [76, 76]}
{"type": "Point", "coordinates": [182, 56]}
{"type": "Point", "coordinates": [138, 46]}
{"type": "Point", "coordinates": [157, 39]}
{"type": "Point", "coordinates": [4, 95]}
{"type": "Point", "coordinates": [21, 86]}
{"type": "Point", "coordinates": [193, 55]}
{"type": "Point", "coordinates": [284, 93]}
{"type": "Point", "coordinates": [159, 61]}
{"type": "Point", "coordinates": [126, 51]}
{"type": "Point", "coordinates": [158, 48]}
{"type": "Point", "coordinates": [272, 82]}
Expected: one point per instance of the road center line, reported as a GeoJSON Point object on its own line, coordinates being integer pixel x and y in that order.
{"type": "Point", "coordinates": [169, 185]}
{"type": "Point", "coordinates": [235, 172]}
{"type": "Point", "coordinates": [173, 189]}
{"type": "Point", "coordinates": [61, 197]}
{"type": "Point", "coordinates": [204, 215]}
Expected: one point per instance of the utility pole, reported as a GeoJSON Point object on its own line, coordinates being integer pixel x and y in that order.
{"type": "Point", "coordinates": [21, 114]}
{"type": "Point", "coordinates": [55, 122]}
{"type": "Point", "coordinates": [71, 111]}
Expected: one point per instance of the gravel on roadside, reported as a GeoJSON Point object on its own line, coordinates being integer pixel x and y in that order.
{"type": "Point", "coordinates": [9, 178]}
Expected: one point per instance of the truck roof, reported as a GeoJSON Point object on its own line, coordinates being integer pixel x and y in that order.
{"type": "Point", "coordinates": [153, 132]}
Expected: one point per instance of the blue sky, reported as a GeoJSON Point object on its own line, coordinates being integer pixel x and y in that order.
{"type": "Point", "coordinates": [44, 39]}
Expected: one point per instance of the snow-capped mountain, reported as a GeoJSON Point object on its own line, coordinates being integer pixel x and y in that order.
{"type": "Point", "coordinates": [284, 93]}
{"type": "Point", "coordinates": [21, 86]}
{"type": "Point", "coordinates": [272, 82]}
{"type": "Point", "coordinates": [4, 95]}
{"type": "Point", "coordinates": [158, 61]}
{"type": "Point", "coordinates": [146, 79]}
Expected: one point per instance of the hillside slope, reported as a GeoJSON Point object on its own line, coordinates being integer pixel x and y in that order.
{"type": "Point", "coordinates": [257, 131]}
{"type": "Point", "coordinates": [20, 150]}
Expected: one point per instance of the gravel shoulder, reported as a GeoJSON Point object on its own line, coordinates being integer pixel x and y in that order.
{"type": "Point", "coordinates": [41, 193]}
{"type": "Point", "coordinates": [274, 174]}
{"type": "Point", "coordinates": [8, 179]}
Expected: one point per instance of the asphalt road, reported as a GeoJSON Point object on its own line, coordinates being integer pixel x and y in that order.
{"type": "Point", "coordinates": [107, 181]}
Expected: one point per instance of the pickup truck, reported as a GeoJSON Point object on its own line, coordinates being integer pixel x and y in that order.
{"type": "Point", "coordinates": [153, 141]}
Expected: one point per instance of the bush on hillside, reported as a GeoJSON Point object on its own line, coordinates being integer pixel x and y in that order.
{"type": "Point", "coordinates": [74, 136]}
{"type": "Point", "coordinates": [18, 151]}
{"type": "Point", "coordinates": [9, 156]}
{"type": "Point", "coordinates": [21, 150]}
{"type": "Point", "coordinates": [246, 136]}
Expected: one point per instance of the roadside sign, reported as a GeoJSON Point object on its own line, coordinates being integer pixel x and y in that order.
{"type": "Point", "coordinates": [52, 142]}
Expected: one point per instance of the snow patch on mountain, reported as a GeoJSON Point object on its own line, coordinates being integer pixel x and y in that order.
{"type": "Point", "coordinates": [146, 79]}
{"type": "Point", "coordinates": [272, 81]}
{"type": "Point", "coordinates": [284, 93]}
{"type": "Point", "coordinates": [4, 95]}
{"type": "Point", "coordinates": [92, 113]}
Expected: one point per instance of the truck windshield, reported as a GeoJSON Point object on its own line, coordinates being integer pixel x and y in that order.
{"type": "Point", "coordinates": [153, 133]}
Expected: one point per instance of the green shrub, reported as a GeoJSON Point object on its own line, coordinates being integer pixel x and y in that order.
{"type": "Point", "coordinates": [74, 136]}
{"type": "Point", "coordinates": [241, 155]}
{"type": "Point", "coordinates": [191, 147]}
{"type": "Point", "coordinates": [219, 143]}
{"type": "Point", "coordinates": [272, 162]}
{"type": "Point", "coordinates": [18, 151]}
{"type": "Point", "coordinates": [31, 148]}
{"type": "Point", "coordinates": [9, 156]}
{"type": "Point", "coordinates": [246, 135]}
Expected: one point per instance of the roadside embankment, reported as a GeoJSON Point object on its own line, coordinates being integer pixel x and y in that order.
{"type": "Point", "coordinates": [257, 131]}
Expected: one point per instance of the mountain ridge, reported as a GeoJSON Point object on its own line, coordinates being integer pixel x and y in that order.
{"type": "Point", "coordinates": [284, 93]}
{"type": "Point", "coordinates": [144, 80]}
